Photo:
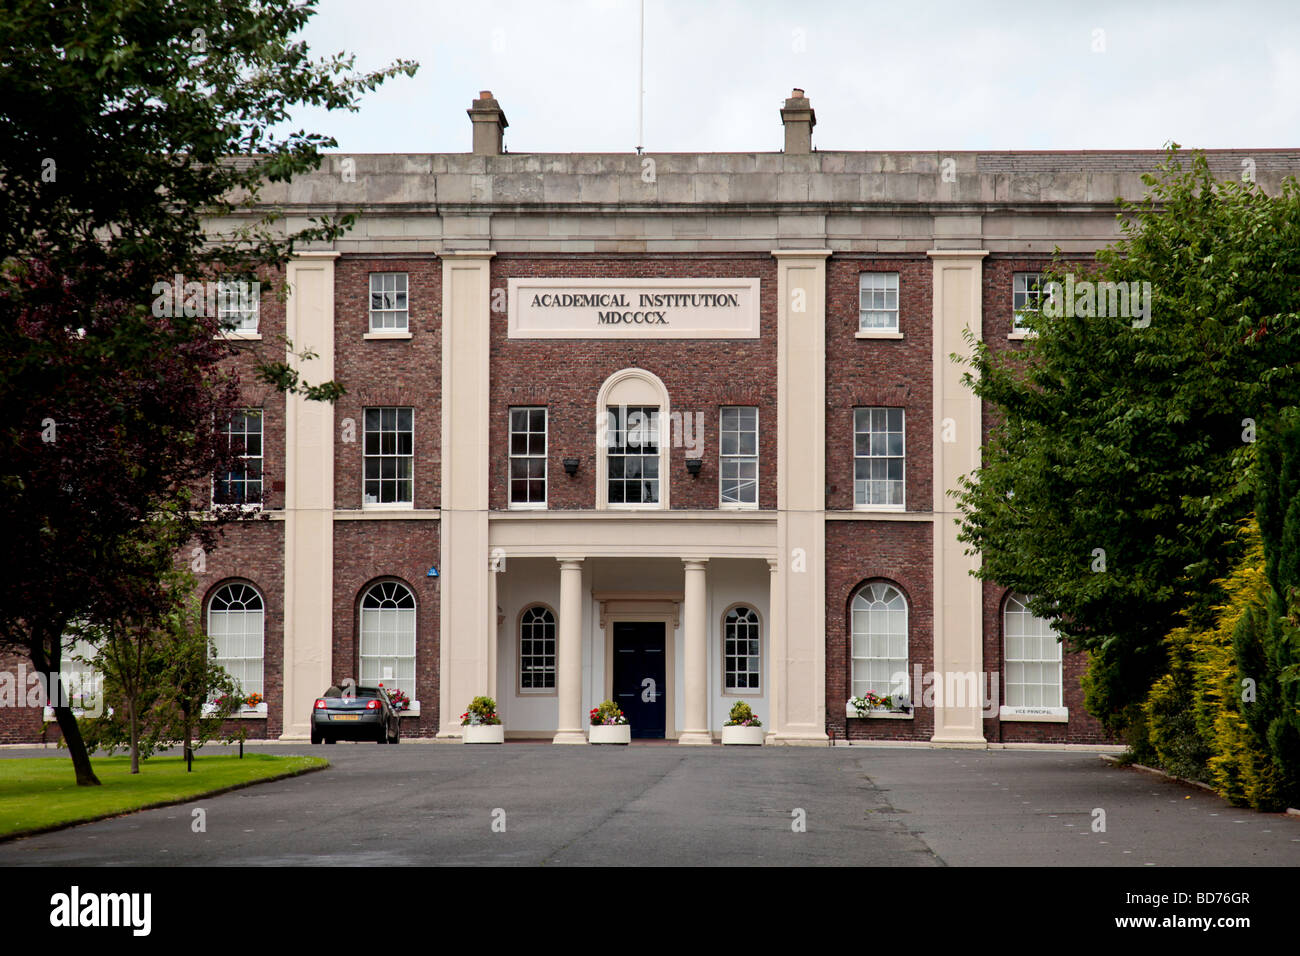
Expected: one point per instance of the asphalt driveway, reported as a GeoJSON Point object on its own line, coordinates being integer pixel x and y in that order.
{"type": "Point", "coordinates": [535, 804]}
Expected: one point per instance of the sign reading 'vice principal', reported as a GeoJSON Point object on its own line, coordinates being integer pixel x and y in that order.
{"type": "Point", "coordinates": [633, 308]}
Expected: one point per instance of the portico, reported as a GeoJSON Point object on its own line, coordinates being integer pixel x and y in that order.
{"type": "Point", "coordinates": [641, 618]}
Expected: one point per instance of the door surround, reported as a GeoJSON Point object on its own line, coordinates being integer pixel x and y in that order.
{"type": "Point", "coordinates": [649, 607]}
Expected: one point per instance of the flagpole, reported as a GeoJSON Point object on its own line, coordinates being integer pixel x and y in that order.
{"type": "Point", "coordinates": [640, 83]}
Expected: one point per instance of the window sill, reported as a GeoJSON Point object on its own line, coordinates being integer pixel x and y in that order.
{"type": "Point", "coordinates": [388, 506]}
{"type": "Point", "coordinates": [884, 509]}
{"type": "Point", "coordinates": [737, 506]}
{"type": "Point", "coordinates": [244, 713]}
{"type": "Point", "coordinates": [399, 336]}
{"type": "Point", "coordinates": [412, 711]}
{"type": "Point", "coordinates": [1021, 336]}
{"type": "Point", "coordinates": [528, 506]}
{"type": "Point", "coordinates": [1042, 715]}
{"type": "Point", "coordinates": [851, 711]}
{"type": "Point", "coordinates": [874, 334]}
{"type": "Point", "coordinates": [238, 335]}
{"type": "Point", "coordinates": [47, 713]}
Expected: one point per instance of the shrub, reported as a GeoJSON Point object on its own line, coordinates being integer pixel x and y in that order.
{"type": "Point", "coordinates": [482, 710]}
{"type": "Point", "coordinates": [742, 716]}
{"type": "Point", "coordinates": [607, 714]}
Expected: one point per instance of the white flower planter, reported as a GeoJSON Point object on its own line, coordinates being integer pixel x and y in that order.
{"type": "Point", "coordinates": [484, 734]}
{"type": "Point", "coordinates": [610, 734]}
{"type": "Point", "coordinates": [749, 736]}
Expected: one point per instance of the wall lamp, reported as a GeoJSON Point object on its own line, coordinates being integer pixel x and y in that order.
{"type": "Point", "coordinates": [570, 466]}
{"type": "Point", "coordinates": [693, 465]}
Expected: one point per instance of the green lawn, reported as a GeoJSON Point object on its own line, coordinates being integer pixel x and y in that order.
{"type": "Point", "coordinates": [41, 793]}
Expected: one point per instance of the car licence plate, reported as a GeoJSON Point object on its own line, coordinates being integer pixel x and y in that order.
{"type": "Point", "coordinates": [344, 717]}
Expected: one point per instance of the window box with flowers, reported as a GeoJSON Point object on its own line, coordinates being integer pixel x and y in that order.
{"type": "Point", "coordinates": [742, 727]}
{"type": "Point", "coordinates": [480, 724]}
{"type": "Point", "coordinates": [404, 706]}
{"type": "Point", "coordinates": [872, 705]}
{"type": "Point", "coordinates": [609, 725]}
{"type": "Point", "coordinates": [252, 707]}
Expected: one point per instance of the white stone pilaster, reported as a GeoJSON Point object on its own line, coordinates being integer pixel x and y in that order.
{"type": "Point", "coordinates": [958, 604]}
{"type": "Point", "coordinates": [798, 630]}
{"type": "Point", "coordinates": [308, 495]}
{"type": "Point", "coordinates": [467, 622]}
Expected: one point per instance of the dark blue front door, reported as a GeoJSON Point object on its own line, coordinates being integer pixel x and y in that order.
{"type": "Point", "coordinates": [640, 675]}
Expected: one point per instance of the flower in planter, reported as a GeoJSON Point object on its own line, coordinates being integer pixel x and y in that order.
{"type": "Point", "coordinates": [252, 700]}
{"type": "Point", "coordinates": [742, 715]}
{"type": "Point", "coordinates": [398, 699]}
{"type": "Point", "coordinates": [228, 703]}
{"type": "Point", "coordinates": [607, 714]}
{"type": "Point", "coordinates": [482, 710]}
{"type": "Point", "coordinates": [871, 701]}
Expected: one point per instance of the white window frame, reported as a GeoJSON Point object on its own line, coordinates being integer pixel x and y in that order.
{"type": "Point", "coordinates": [367, 456]}
{"type": "Point", "coordinates": [1025, 699]}
{"type": "Point", "coordinates": [528, 456]}
{"type": "Point", "coordinates": [876, 603]}
{"type": "Point", "coordinates": [865, 503]}
{"type": "Point", "coordinates": [632, 387]}
{"type": "Point", "coordinates": [228, 431]}
{"type": "Point", "coordinates": [394, 615]}
{"type": "Point", "coordinates": [650, 418]}
{"type": "Point", "coordinates": [875, 292]}
{"type": "Point", "coordinates": [1021, 297]}
{"type": "Point", "coordinates": [737, 459]}
{"type": "Point", "coordinates": [238, 322]}
{"type": "Point", "coordinates": [550, 660]}
{"type": "Point", "coordinates": [245, 595]}
{"type": "Point", "coordinates": [394, 313]}
{"type": "Point", "coordinates": [753, 669]}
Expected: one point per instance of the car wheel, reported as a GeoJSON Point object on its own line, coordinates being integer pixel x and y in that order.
{"type": "Point", "coordinates": [396, 738]}
{"type": "Point", "coordinates": [327, 740]}
{"type": "Point", "coordinates": [315, 737]}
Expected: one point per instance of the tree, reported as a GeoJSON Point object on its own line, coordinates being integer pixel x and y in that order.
{"type": "Point", "coordinates": [126, 128]}
{"type": "Point", "coordinates": [133, 656]}
{"type": "Point", "coordinates": [1118, 462]}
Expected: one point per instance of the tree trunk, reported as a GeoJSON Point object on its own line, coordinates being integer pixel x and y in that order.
{"type": "Point", "coordinates": [135, 735]}
{"type": "Point", "coordinates": [48, 665]}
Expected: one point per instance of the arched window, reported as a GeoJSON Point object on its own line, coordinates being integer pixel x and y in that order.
{"type": "Point", "coordinates": [879, 639]}
{"type": "Point", "coordinates": [742, 653]}
{"type": "Point", "coordinates": [388, 637]}
{"type": "Point", "coordinates": [537, 651]}
{"type": "Point", "coordinates": [1032, 657]}
{"type": "Point", "coordinates": [634, 432]}
{"type": "Point", "coordinates": [236, 624]}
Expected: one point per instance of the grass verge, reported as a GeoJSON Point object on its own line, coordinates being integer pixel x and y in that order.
{"type": "Point", "coordinates": [40, 793]}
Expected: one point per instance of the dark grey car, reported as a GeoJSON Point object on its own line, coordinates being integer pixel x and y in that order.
{"type": "Point", "coordinates": [365, 714]}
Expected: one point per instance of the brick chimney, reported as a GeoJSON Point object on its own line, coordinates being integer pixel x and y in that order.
{"type": "Point", "coordinates": [799, 119]}
{"type": "Point", "coordinates": [489, 124]}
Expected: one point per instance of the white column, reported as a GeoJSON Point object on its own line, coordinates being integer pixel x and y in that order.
{"type": "Point", "coordinates": [467, 620]}
{"type": "Point", "coordinates": [772, 673]}
{"type": "Point", "coordinates": [569, 666]}
{"type": "Point", "coordinates": [695, 628]}
{"type": "Point", "coordinates": [958, 605]}
{"type": "Point", "coordinates": [798, 629]}
{"type": "Point", "coordinates": [309, 495]}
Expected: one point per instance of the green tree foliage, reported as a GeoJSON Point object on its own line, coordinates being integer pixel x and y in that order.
{"type": "Point", "coordinates": [1129, 440]}
{"type": "Point", "coordinates": [135, 137]}
{"type": "Point", "coordinates": [158, 676]}
{"type": "Point", "coordinates": [1227, 710]}
{"type": "Point", "coordinates": [1267, 640]}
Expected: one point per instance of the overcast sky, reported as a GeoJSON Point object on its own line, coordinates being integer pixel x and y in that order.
{"type": "Point", "coordinates": [897, 75]}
